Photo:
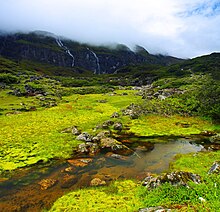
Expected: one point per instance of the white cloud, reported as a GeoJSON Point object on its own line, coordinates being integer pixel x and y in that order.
{"type": "Point", "coordinates": [161, 26]}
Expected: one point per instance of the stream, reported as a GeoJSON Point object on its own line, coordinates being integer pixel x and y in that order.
{"type": "Point", "coordinates": [24, 190]}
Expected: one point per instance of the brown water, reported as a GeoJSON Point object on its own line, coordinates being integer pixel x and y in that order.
{"type": "Point", "coordinates": [23, 193]}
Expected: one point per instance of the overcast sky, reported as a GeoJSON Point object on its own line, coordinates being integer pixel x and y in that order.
{"type": "Point", "coordinates": [182, 28]}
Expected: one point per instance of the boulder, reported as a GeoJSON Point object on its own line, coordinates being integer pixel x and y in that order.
{"type": "Point", "coordinates": [107, 124]}
{"type": "Point", "coordinates": [134, 111]}
{"type": "Point", "coordinates": [174, 178]}
{"type": "Point", "coordinates": [100, 135]}
{"type": "Point", "coordinates": [97, 182]}
{"type": "Point", "coordinates": [84, 137]}
{"type": "Point", "coordinates": [118, 126]}
{"type": "Point", "coordinates": [88, 148]}
{"type": "Point", "coordinates": [115, 115]}
{"type": "Point", "coordinates": [114, 146]}
{"type": "Point", "coordinates": [83, 148]}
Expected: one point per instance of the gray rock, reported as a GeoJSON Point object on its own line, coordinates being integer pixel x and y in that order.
{"type": "Point", "coordinates": [215, 139]}
{"type": "Point", "coordinates": [84, 137]}
{"type": "Point", "coordinates": [154, 209]}
{"type": "Point", "coordinates": [75, 131]}
{"type": "Point", "coordinates": [174, 178]}
{"type": "Point", "coordinates": [115, 115]}
{"type": "Point", "coordinates": [118, 126]}
{"type": "Point", "coordinates": [215, 168]}
{"type": "Point", "coordinates": [101, 135]}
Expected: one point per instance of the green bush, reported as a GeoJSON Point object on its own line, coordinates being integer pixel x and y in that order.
{"type": "Point", "coordinates": [8, 78]}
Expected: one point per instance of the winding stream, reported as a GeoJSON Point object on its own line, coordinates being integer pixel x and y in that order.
{"type": "Point", "coordinates": [22, 192]}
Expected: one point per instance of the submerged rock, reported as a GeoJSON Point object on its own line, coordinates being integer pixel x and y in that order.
{"type": "Point", "coordinates": [80, 162]}
{"type": "Point", "coordinates": [116, 156]}
{"type": "Point", "coordinates": [68, 181]}
{"type": "Point", "coordinates": [47, 183]}
{"type": "Point", "coordinates": [174, 178]}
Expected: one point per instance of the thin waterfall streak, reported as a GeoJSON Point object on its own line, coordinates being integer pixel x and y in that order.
{"type": "Point", "coordinates": [65, 48]}
{"type": "Point", "coordinates": [97, 61]}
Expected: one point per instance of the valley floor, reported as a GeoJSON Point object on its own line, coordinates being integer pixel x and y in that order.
{"type": "Point", "coordinates": [32, 135]}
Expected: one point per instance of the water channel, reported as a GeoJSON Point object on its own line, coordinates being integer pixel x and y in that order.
{"type": "Point", "coordinates": [22, 191]}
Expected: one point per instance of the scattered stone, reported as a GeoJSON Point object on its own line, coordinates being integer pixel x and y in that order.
{"type": "Point", "coordinates": [80, 162]}
{"type": "Point", "coordinates": [97, 182]}
{"type": "Point", "coordinates": [110, 143]}
{"type": "Point", "coordinates": [68, 181]}
{"type": "Point", "coordinates": [115, 115]}
{"type": "Point", "coordinates": [93, 148]}
{"type": "Point", "coordinates": [175, 178]}
{"type": "Point", "coordinates": [101, 135]}
{"type": "Point", "coordinates": [107, 124]}
{"type": "Point", "coordinates": [83, 148]}
{"type": "Point", "coordinates": [47, 183]}
{"type": "Point", "coordinates": [215, 168]}
{"type": "Point", "coordinates": [215, 139]}
{"type": "Point", "coordinates": [75, 131]}
{"type": "Point", "coordinates": [134, 111]}
{"type": "Point", "coordinates": [118, 126]}
{"type": "Point", "coordinates": [88, 148]}
{"type": "Point", "coordinates": [84, 137]}
{"type": "Point", "coordinates": [154, 209]}
{"type": "Point", "coordinates": [102, 100]}
{"type": "Point", "coordinates": [207, 133]}
{"type": "Point", "coordinates": [115, 146]}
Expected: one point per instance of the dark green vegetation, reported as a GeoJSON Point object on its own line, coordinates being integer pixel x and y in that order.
{"type": "Point", "coordinates": [38, 100]}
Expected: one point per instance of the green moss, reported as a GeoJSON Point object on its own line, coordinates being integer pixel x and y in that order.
{"type": "Point", "coordinates": [35, 136]}
{"type": "Point", "coordinates": [120, 196]}
{"type": "Point", "coordinates": [156, 125]}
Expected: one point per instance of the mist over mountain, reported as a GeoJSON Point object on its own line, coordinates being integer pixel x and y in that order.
{"type": "Point", "coordinates": [48, 48]}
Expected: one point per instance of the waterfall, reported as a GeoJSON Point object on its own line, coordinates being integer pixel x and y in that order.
{"type": "Point", "coordinates": [65, 48]}
{"type": "Point", "coordinates": [97, 70]}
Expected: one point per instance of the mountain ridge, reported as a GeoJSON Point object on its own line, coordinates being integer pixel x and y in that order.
{"type": "Point", "coordinates": [48, 48]}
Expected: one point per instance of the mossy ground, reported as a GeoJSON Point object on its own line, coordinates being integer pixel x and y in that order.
{"type": "Point", "coordinates": [176, 125]}
{"type": "Point", "coordinates": [29, 137]}
{"type": "Point", "coordinates": [34, 136]}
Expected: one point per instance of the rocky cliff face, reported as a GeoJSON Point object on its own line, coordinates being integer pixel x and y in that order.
{"type": "Point", "coordinates": [51, 49]}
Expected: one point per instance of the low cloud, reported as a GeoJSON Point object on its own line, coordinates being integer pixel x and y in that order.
{"type": "Point", "coordinates": [179, 28]}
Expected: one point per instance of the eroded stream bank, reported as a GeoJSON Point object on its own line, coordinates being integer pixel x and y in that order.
{"type": "Point", "coordinates": [38, 187]}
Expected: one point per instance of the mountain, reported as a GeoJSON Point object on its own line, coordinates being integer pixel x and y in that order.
{"type": "Point", "coordinates": [49, 49]}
